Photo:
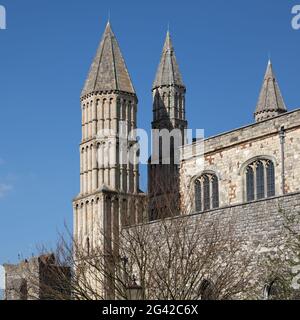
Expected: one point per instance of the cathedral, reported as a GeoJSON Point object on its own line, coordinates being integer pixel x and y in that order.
{"type": "Point", "coordinates": [245, 172]}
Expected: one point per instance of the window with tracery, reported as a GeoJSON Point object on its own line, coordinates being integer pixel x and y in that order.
{"type": "Point", "coordinates": [206, 192]}
{"type": "Point", "coordinates": [260, 180]}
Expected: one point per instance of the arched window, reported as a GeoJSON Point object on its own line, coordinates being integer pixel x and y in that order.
{"type": "Point", "coordinates": [260, 180]}
{"type": "Point", "coordinates": [275, 290]}
{"type": "Point", "coordinates": [206, 192]}
{"type": "Point", "coordinates": [207, 290]}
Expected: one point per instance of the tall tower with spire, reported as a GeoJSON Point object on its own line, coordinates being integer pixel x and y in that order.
{"type": "Point", "coordinates": [168, 114]}
{"type": "Point", "coordinates": [270, 102]}
{"type": "Point", "coordinates": [109, 195]}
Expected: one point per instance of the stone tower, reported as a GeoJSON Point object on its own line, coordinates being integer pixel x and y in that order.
{"type": "Point", "coordinates": [168, 114]}
{"type": "Point", "coordinates": [109, 195]}
{"type": "Point", "coordinates": [270, 102]}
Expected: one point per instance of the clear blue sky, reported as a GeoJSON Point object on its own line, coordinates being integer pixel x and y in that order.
{"type": "Point", "coordinates": [222, 48]}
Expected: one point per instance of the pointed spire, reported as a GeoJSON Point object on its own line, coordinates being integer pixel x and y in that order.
{"type": "Point", "coordinates": [168, 71]}
{"type": "Point", "coordinates": [108, 71]}
{"type": "Point", "coordinates": [270, 102]}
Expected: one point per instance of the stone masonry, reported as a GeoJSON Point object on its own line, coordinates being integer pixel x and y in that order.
{"type": "Point", "coordinates": [228, 155]}
{"type": "Point", "coordinates": [37, 279]}
{"type": "Point", "coordinates": [109, 196]}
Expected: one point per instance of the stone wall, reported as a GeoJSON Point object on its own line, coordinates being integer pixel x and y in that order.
{"type": "Point", "coordinates": [258, 226]}
{"type": "Point", "coordinates": [260, 221]}
{"type": "Point", "coordinates": [16, 284]}
{"type": "Point", "coordinates": [39, 278]}
{"type": "Point", "coordinates": [228, 154]}
{"type": "Point", "coordinates": [104, 212]}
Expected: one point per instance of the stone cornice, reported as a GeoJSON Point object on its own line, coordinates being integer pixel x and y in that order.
{"type": "Point", "coordinates": [116, 92]}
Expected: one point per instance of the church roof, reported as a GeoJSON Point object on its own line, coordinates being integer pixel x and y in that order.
{"type": "Point", "coordinates": [168, 71]}
{"type": "Point", "coordinates": [270, 98]}
{"type": "Point", "coordinates": [108, 71]}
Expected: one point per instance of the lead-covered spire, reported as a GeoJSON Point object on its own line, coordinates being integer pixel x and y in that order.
{"type": "Point", "coordinates": [270, 103]}
{"type": "Point", "coordinates": [108, 71]}
{"type": "Point", "coordinates": [168, 71]}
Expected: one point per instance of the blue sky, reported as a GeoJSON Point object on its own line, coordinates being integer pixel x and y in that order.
{"type": "Point", "coordinates": [222, 48]}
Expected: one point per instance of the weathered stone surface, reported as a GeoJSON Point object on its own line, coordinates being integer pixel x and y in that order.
{"type": "Point", "coordinates": [39, 278]}
{"type": "Point", "coordinates": [108, 71]}
{"type": "Point", "coordinates": [109, 195]}
{"type": "Point", "coordinates": [270, 102]}
{"type": "Point", "coordinates": [168, 70]}
{"type": "Point", "coordinates": [257, 227]}
{"type": "Point", "coordinates": [227, 155]}
{"type": "Point", "coordinates": [168, 114]}
{"type": "Point", "coordinates": [109, 188]}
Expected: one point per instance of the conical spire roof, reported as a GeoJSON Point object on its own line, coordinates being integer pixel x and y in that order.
{"type": "Point", "coordinates": [108, 71]}
{"type": "Point", "coordinates": [270, 98]}
{"type": "Point", "coordinates": [168, 71]}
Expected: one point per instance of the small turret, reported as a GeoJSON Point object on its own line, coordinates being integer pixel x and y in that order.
{"type": "Point", "coordinates": [270, 103]}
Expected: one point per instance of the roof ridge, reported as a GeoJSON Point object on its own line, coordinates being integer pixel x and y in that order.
{"type": "Point", "coordinates": [101, 54]}
{"type": "Point", "coordinates": [114, 65]}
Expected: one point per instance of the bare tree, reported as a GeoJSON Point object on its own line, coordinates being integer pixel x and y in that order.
{"type": "Point", "coordinates": [183, 257]}
{"type": "Point", "coordinates": [177, 259]}
{"type": "Point", "coordinates": [281, 264]}
{"type": "Point", "coordinates": [173, 259]}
